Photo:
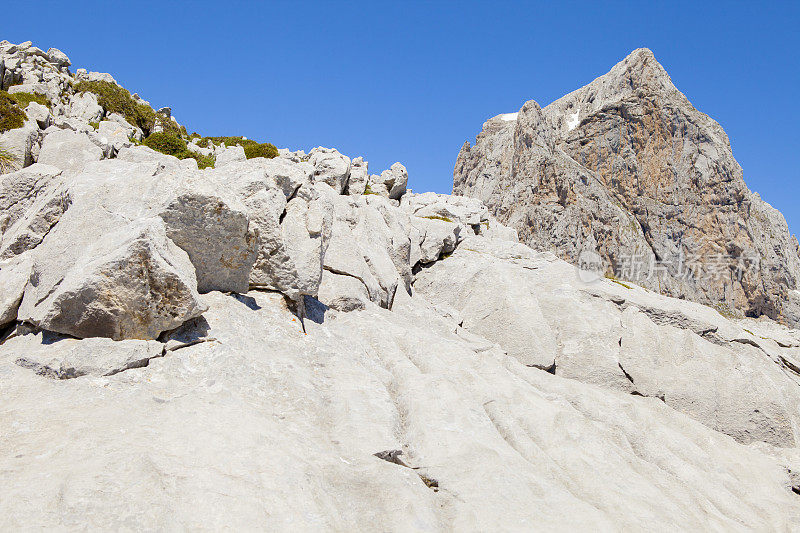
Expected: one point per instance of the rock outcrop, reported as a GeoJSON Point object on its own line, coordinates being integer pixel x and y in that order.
{"type": "Point", "coordinates": [296, 344]}
{"type": "Point", "coordinates": [627, 169]}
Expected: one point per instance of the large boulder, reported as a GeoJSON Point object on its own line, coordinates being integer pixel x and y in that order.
{"type": "Point", "coordinates": [84, 106]}
{"type": "Point", "coordinates": [22, 143]}
{"type": "Point", "coordinates": [391, 183]}
{"type": "Point", "coordinates": [132, 283]}
{"type": "Point", "coordinates": [291, 217]}
{"type": "Point", "coordinates": [32, 201]}
{"type": "Point", "coordinates": [372, 243]}
{"type": "Point", "coordinates": [215, 233]}
{"type": "Point", "coordinates": [330, 167]}
{"type": "Point", "coordinates": [359, 176]}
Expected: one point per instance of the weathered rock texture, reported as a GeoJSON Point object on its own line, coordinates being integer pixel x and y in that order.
{"type": "Point", "coordinates": [626, 167]}
{"type": "Point", "coordinates": [293, 344]}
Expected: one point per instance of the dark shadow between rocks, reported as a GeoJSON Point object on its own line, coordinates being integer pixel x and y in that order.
{"type": "Point", "coordinates": [249, 301]}
{"type": "Point", "coordinates": [192, 330]}
{"type": "Point", "coordinates": [314, 309]}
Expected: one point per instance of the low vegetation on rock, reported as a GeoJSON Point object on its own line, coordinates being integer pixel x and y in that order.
{"type": "Point", "coordinates": [174, 145]}
{"type": "Point", "coordinates": [11, 116]}
{"type": "Point", "coordinates": [23, 99]}
{"type": "Point", "coordinates": [115, 99]}
{"type": "Point", "coordinates": [7, 161]}
{"type": "Point", "coordinates": [251, 148]}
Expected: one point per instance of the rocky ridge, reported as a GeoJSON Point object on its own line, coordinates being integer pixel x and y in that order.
{"type": "Point", "coordinates": [627, 171]}
{"type": "Point", "coordinates": [293, 343]}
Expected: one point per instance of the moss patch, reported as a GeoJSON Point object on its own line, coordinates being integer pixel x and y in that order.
{"type": "Point", "coordinates": [11, 116]}
{"type": "Point", "coordinates": [611, 277]}
{"type": "Point", "coordinates": [115, 99]}
{"type": "Point", "coordinates": [437, 217]}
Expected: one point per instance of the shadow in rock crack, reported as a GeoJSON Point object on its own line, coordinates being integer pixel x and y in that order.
{"type": "Point", "coordinates": [191, 331]}
{"type": "Point", "coordinates": [249, 301]}
{"type": "Point", "coordinates": [314, 309]}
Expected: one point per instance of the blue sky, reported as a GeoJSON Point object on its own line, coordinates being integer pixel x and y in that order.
{"type": "Point", "coordinates": [411, 81]}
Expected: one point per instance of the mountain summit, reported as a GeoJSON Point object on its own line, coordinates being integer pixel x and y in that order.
{"type": "Point", "coordinates": [626, 171]}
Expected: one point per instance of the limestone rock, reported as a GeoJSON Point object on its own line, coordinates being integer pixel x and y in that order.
{"type": "Point", "coordinates": [85, 107]}
{"type": "Point", "coordinates": [230, 155]}
{"type": "Point", "coordinates": [330, 167]}
{"type": "Point", "coordinates": [58, 357]}
{"type": "Point", "coordinates": [22, 143]}
{"type": "Point", "coordinates": [132, 283]}
{"type": "Point", "coordinates": [391, 183]}
{"type": "Point", "coordinates": [508, 445]}
{"type": "Point", "coordinates": [623, 337]}
{"type": "Point", "coordinates": [292, 218]}
{"type": "Point", "coordinates": [359, 176]}
{"type": "Point", "coordinates": [39, 113]}
{"type": "Point", "coordinates": [32, 201]}
{"type": "Point", "coordinates": [216, 235]}
{"type": "Point", "coordinates": [14, 277]}
{"type": "Point", "coordinates": [58, 57]}
{"type": "Point", "coordinates": [68, 150]}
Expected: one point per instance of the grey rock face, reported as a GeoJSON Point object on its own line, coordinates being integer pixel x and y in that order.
{"type": "Point", "coordinates": [542, 313]}
{"type": "Point", "coordinates": [58, 357]}
{"type": "Point", "coordinates": [625, 167]}
{"type": "Point", "coordinates": [14, 277]}
{"type": "Point", "coordinates": [68, 150]}
{"type": "Point", "coordinates": [330, 167]}
{"type": "Point", "coordinates": [509, 446]}
{"type": "Point", "coordinates": [132, 283]}
{"type": "Point", "coordinates": [391, 183]}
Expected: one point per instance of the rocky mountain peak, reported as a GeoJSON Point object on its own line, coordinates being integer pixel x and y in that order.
{"type": "Point", "coordinates": [626, 168]}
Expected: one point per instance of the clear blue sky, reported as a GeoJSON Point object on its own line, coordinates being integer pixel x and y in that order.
{"type": "Point", "coordinates": [410, 82]}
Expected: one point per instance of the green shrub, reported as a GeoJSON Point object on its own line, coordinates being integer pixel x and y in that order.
{"type": "Point", "coordinates": [23, 99]}
{"type": "Point", "coordinates": [170, 126]}
{"type": "Point", "coordinates": [7, 161]}
{"type": "Point", "coordinates": [166, 143]}
{"type": "Point", "coordinates": [171, 144]}
{"type": "Point", "coordinates": [11, 116]}
{"type": "Point", "coordinates": [115, 99]}
{"type": "Point", "coordinates": [203, 161]}
{"type": "Point", "coordinates": [368, 190]}
{"type": "Point", "coordinates": [95, 125]}
{"type": "Point", "coordinates": [251, 148]}
{"type": "Point", "coordinates": [267, 150]}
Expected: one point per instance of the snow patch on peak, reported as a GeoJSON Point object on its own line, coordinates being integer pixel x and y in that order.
{"type": "Point", "coordinates": [573, 120]}
{"type": "Point", "coordinates": [508, 117]}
